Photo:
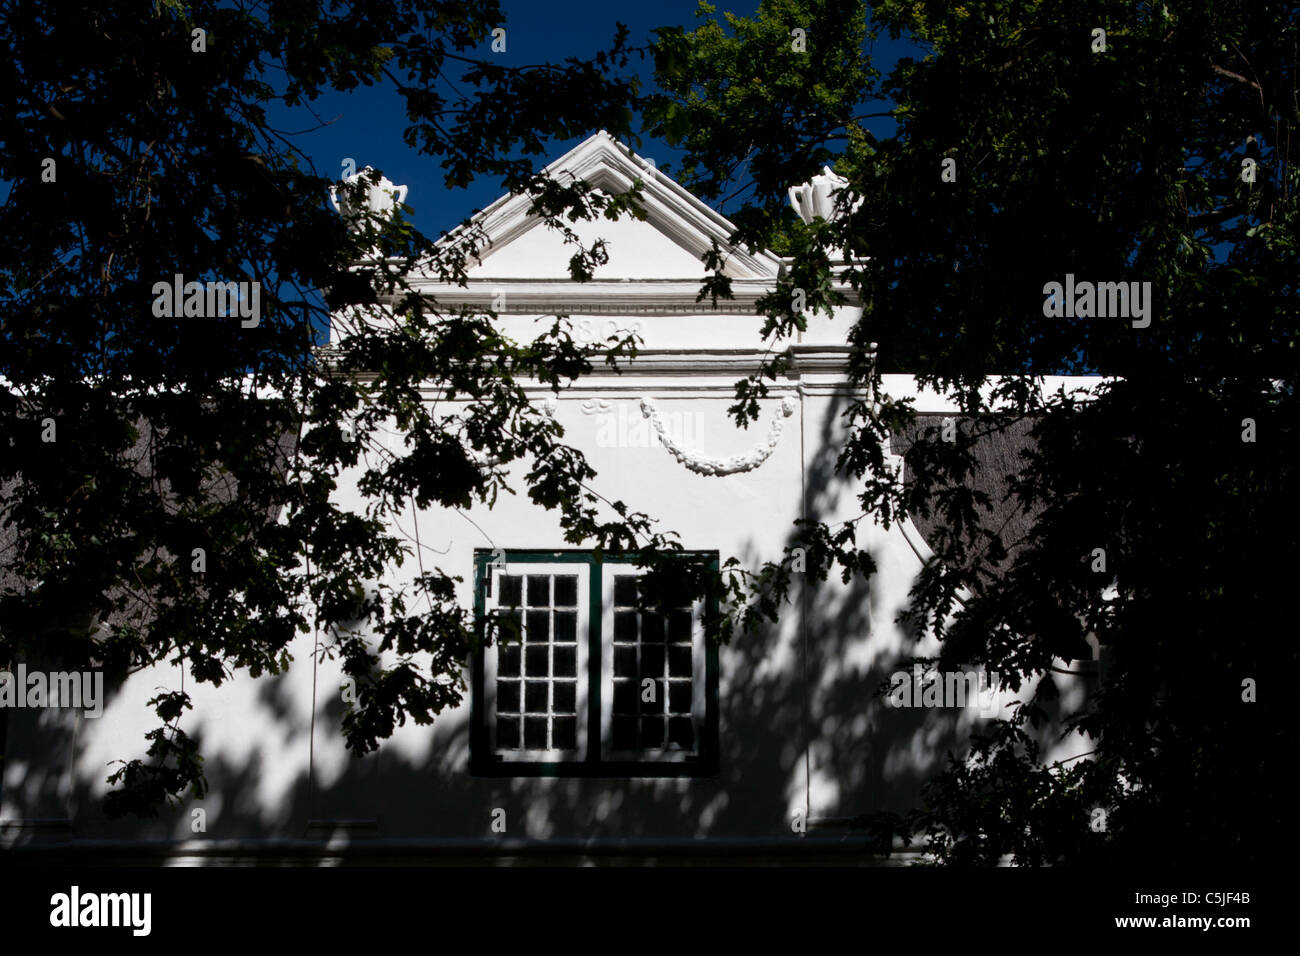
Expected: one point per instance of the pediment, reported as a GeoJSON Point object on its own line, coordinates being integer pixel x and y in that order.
{"type": "Point", "coordinates": [655, 268]}
{"type": "Point", "coordinates": [636, 250]}
{"type": "Point", "coordinates": [668, 244]}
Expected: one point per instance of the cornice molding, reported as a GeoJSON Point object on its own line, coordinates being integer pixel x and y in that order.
{"type": "Point", "coordinates": [602, 296]}
{"type": "Point", "coordinates": [832, 360]}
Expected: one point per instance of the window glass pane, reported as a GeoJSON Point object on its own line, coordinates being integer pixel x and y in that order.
{"type": "Point", "coordinates": [566, 626]}
{"type": "Point", "coordinates": [564, 732]}
{"type": "Point", "coordinates": [652, 731]}
{"type": "Point", "coordinates": [681, 732]}
{"type": "Point", "coordinates": [625, 627]}
{"type": "Point", "coordinates": [535, 696]}
{"type": "Point", "coordinates": [508, 660]}
{"type": "Point", "coordinates": [535, 733]}
{"type": "Point", "coordinates": [539, 627]}
{"type": "Point", "coordinates": [565, 694]}
{"type": "Point", "coordinates": [679, 662]}
{"type": "Point", "coordinates": [679, 627]}
{"type": "Point", "coordinates": [511, 590]}
{"type": "Point", "coordinates": [625, 662]}
{"type": "Point", "coordinates": [652, 627]}
{"type": "Point", "coordinates": [539, 590]}
{"type": "Point", "coordinates": [624, 697]}
{"type": "Point", "coordinates": [566, 590]}
{"type": "Point", "coordinates": [507, 696]}
{"type": "Point", "coordinates": [679, 697]}
{"type": "Point", "coordinates": [624, 733]}
{"type": "Point", "coordinates": [509, 627]}
{"type": "Point", "coordinates": [651, 696]}
{"type": "Point", "coordinates": [566, 661]}
{"type": "Point", "coordinates": [625, 590]}
{"type": "Point", "coordinates": [652, 660]}
{"type": "Point", "coordinates": [535, 660]}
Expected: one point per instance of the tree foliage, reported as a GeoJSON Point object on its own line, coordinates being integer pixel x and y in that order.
{"type": "Point", "coordinates": [1115, 164]}
{"type": "Point", "coordinates": [138, 149]}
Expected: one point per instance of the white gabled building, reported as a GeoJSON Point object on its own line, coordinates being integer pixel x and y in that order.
{"type": "Point", "coordinates": [765, 745]}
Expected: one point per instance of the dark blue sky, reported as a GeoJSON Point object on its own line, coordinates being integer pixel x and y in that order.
{"type": "Point", "coordinates": [367, 124]}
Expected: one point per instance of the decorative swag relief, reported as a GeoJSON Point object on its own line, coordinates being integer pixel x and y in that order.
{"type": "Point", "coordinates": [693, 461]}
{"type": "Point", "coordinates": [704, 465]}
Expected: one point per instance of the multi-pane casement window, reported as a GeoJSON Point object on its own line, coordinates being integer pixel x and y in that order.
{"type": "Point", "coordinates": [583, 678]}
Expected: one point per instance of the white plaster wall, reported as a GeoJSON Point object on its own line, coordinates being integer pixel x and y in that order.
{"type": "Point", "coordinates": [800, 730]}
{"type": "Point", "coordinates": [746, 514]}
{"type": "Point", "coordinates": [636, 250]}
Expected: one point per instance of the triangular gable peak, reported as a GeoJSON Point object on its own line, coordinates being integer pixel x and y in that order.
{"type": "Point", "coordinates": [655, 264]}
{"type": "Point", "coordinates": [652, 279]}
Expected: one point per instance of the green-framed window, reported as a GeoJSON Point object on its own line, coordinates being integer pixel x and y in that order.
{"type": "Point", "coordinates": [584, 679]}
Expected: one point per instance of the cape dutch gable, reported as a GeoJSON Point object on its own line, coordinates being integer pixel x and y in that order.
{"type": "Point", "coordinates": [765, 744]}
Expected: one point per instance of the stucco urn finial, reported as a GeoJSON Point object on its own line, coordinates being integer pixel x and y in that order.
{"type": "Point", "coordinates": [381, 197]}
{"type": "Point", "coordinates": [817, 196]}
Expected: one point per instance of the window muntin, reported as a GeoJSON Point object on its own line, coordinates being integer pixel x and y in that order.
{"type": "Point", "coordinates": [662, 720]}
{"type": "Point", "coordinates": [668, 737]}
{"type": "Point", "coordinates": [535, 688]}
